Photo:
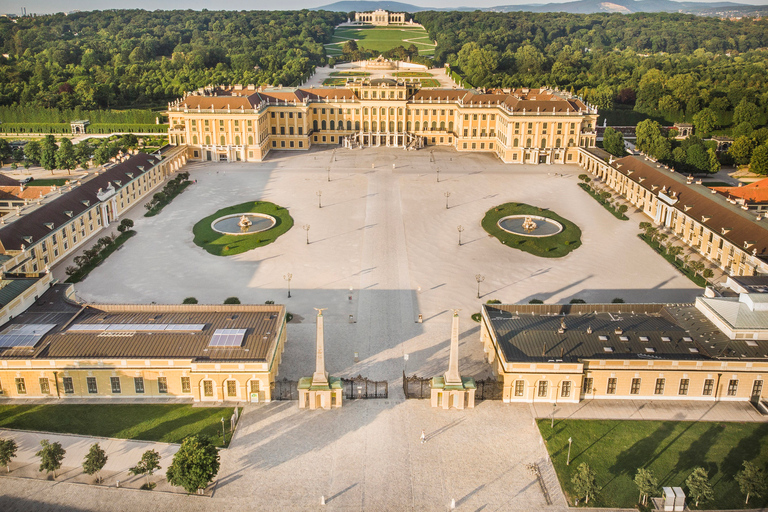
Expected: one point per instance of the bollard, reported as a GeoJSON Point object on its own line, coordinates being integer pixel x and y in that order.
{"type": "Point", "coordinates": [322, 500]}
{"type": "Point", "coordinates": [421, 318]}
{"type": "Point", "coordinates": [351, 319]}
{"type": "Point", "coordinates": [453, 504]}
{"type": "Point", "coordinates": [117, 484]}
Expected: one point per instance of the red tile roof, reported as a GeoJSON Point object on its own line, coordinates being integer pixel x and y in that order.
{"type": "Point", "coordinates": [756, 192]}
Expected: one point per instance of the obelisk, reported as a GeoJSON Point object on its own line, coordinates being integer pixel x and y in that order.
{"type": "Point", "coordinates": [320, 377]}
{"type": "Point", "coordinates": [452, 377]}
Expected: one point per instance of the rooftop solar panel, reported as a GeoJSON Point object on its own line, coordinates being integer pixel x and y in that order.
{"type": "Point", "coordinates": [227, 338]}
{"type": "Point", "coordinates": [137, 327]}
{"type": "Point", "coordinates": [24, 335]}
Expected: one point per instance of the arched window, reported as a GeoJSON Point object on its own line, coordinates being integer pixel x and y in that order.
{"type": "Point", "coordinates": [442, 126]}
{"type": "Point", "coordinates": [374, 126]}
{"type": "Point", "coordinates": [528, 142]}
{"type": "Point", "coordinates": [408, 126]}
{"type": "Point", "coordinates": [333, 125]}
{"type": "Point", "coordinates": [207, 140]}
{"type": "Point", "coordinates": [349, 125]}
{"type": "Point", "coordinates": [399, 126]}
{"type": "Point", "coordinates": [323, 125]}
{"type": "Point", "coordinates": [515, 144]}
{"type": "Point", "coordinates": [417, 126]}
{"type": "Point", "coordinates": [400, 111]}
{"type": "Point", "coordinates": [250, 139]}
{"type": "Point", "coordinates": [391, 126]}
{"type": "Point", "coordinates": [570, 143]}
{"type": "Point", "coordinates": [450, 126]}
{"type": "Point", "coordinates": [383, 111]}
{"type": "Point", "coordinates": [314, 125]}
{"type": "Point", "coordinates": [222, 140]}
{"type": "Point", "coordinates": [434, 126]}
{"type": "Point", "coordinates": [557, 143]}
{"type": "Point", "coordinates": [357, 125]}
{"type": "Point", "coordinates": [194, 139]}
{"type": "Point", "coordinates": [391, 111]}
{"type": "Point", "coordinates": [237, 140]}
{"type": "Point", "coordinates": [365, 126]}
{"type": "Point", "coordinates": [543, 143]}
{"type": "Point", "coordinates": [365, 111]}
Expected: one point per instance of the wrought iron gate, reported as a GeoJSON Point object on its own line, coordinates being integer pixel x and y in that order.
{"type": "Point", "coordinates": [361, 387]}
{"type": "Point", "coordinates": [417, 387]}
{"type": "Point", "coordinates": [489, 389]}
{"type": "Point", "coordinates": [285, 389]}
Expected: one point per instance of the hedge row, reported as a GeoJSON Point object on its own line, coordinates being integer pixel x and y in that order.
{"type": "Point", "coordinates": [42, 115]}
{"type": "Point", "coordinates": [65, 128]}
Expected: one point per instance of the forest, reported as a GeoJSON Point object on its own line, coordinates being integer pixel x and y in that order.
{"type": "Point", "coordinates": [139, 59]}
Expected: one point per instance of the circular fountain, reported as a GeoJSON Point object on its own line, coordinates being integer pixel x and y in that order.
{"type": "Point", "coordinates": [243, 223]}
{"type": "Point", "coordinates": [530, 225]}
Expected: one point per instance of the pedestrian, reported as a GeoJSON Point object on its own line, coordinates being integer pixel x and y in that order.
{"type": "Point", "coordinates": [423, 437]}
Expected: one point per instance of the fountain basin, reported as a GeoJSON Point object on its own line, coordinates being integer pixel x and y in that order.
{"type": "Point", "coordinates": [230, 224]}
{"type": "Point", "coordinates": [544, 226]}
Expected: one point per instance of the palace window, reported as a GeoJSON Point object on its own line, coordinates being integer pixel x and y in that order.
{"type": "Point", "coordinates": [659, 389]}
{"type": "Point", "coordinates": [683, 387]}
{"type": "Point", "coordinates": [543, 388]}
{"type": "Point", "coordinates": [91, 383]}
{"type": "Point", "coordinates": [115, 382]}
{"type": "Point", "coordinates": [185, 385]}
{"type": "Point", "coordinates": [207, 388]}
{"type": "Point", "coordinates": [519, 387]}
{"type": "Point", "coordinates": [69, 387]}
{"type": "Point", "coordinates": [45, 387]}
{"type": "Point", "coordinates": [21, 387]}
{"type": "Point", "coordinates": [162, 385]}
{"type": "Point", "coordinates": [733, 387]}
{"type": "Point", "coordinates": [635, 388]}
{"type": "Point", "coordinates": [138, 384]}
{"type": "Point", "coordinates": [587, 385]}
{"type": "Point", "coordinates": [231, 388]}
{"type": "Point", "coordinates": [611, 389]}
{"type": "Point", "coordinates": [565, 390]}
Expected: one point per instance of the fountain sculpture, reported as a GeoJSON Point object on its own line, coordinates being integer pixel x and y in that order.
{"type": "Point", "coordinates": [244, 223]}
{"type": "Point", "coordinates": [529, 225]}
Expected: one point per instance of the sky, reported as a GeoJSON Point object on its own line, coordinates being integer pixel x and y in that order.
{"type": "Point", "coordinates": [49, 6]}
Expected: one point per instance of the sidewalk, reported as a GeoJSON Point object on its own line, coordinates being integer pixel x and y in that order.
{"type": "Point", "coordinates": [666, 410]}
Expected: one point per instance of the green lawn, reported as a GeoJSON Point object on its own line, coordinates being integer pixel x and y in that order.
{"type": "Point", "coordinates": [165, 423]}
{"type": "Point", "coordinates": [350, 73]}
{"type": "Point", "coordinates": [335, 82]}
{"type": "Point", "coordinates": [670, 449]}
{"type": "Point", "coordinates": [229, 245]}
{"type": "Point", "coordinates": [381, 39]}
{"type": "Point", "coordinates": [412, 74]}
{"type": "Point", "coordinates": [555, 246]}
{"type": "Point", "coordinates": [49, 182]}
{"type": "Point", "coordinates": [86, 269]}
{"type": "Point", "coordinates": [589, 190]}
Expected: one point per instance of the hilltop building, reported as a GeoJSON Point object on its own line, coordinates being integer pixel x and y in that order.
{"type": "Point", "coordinates": [245, 123]}
{"type": "Point", "coordinates": [380, 18]}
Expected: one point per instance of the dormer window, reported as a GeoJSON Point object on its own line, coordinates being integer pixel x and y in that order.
{"type": "Point", "coordinates": [86, 202]}
{"type": "Point", "coordinates": [28, 239]}
{"type": "Point", "coordinates": [68, 213]}
{"type": "Point", "coordinates": [49, 225]}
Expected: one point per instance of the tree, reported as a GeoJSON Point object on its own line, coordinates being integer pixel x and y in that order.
{"type": "Point", "coordinates": [585, 482]}
{"type": "Point", "coordinates": [707, 274]}
{"type": "Point", "coordinates": [751, 480]}
{"type": "Point", "coordinates": [8, 449]}
{"type": "Point", "coordinates": [51, 456]}
{"type": "Point", "coordinates": [675, 250]}
{"type": "Point", "coordinates": [758, 163]}
{"type": "Point", "coordinates": [33, 151]}
{"type": "Point", "coordinates": [83, 152]}
{"type": "Point", "coordinates": [645, 225]}
{"type": "Point", "coordinates": [651, 140]}
{"type": "Point", "coordinates": [195, 465]}
{"type": "Point", "coordinates": [617, 300]}
{"type": "Point", "coordinates": [5, 150]}
{"type": "Point", "coordinates": [125, 225]}
{"type": "Point", "coordinates": [698, 485]}
{"type": "Point", "coordinates": [741, 149]}
{"type": "Point", "coordinates": [189, 300]}
{"type": "Point", "coordinates": [646, 483]}
{"type": "Point", "coordinates": [149, 463]}
{"type": "Point", "coordinates": [704, 121]}
{"type": "Point", "coordinates": [613, 142]}
{"type": "Point", "coordinates": [95, 461]}
{"type": "Point", "coordinates": [48, 153]}
{"type": "Point", "coordinates": [65, 156]}
{"type": "Point", "coordinates": [713, 164]}
{"type": "Point", "coordinates": [231, 300]}
{"type": "Point", "coordinates": [746, 112]}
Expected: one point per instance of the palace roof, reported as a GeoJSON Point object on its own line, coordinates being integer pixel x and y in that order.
{"type": "Point", "coordinates": [754, 193]}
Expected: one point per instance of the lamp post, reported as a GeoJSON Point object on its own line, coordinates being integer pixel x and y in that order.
{"type": "Point", "coordinates": [328, 170]}
{"type": "Point", "coordinates": [288, 278]}
{"type": "Point", "coordinates": [568, 462]}
{"type": "Point", "coordinates": [223, 432]}
{"type": "Point", "coordinates": [554, 407]}
{"type": "Point", "coordinates": [447, 195]}
{"type": "Point", "coordinates": [438, 174]}
{"type": "Point", "coordinates": [319, 198]}
{"type": "Point", "coordinates": [460, 229]}
{"type": "Point", "coordinates": [306, 228]}
{"type": "Point", "coordinates": [479, 278]}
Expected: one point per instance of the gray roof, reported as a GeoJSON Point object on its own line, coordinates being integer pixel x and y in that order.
{"type": "Point", "coordinates": [33, 226]}
{"type": "Point", "coordinates": [10, 288]}
{"type": "Point", "coordinates": [737, 314]}
{"type": "Point", "coordinates": [532, 333]}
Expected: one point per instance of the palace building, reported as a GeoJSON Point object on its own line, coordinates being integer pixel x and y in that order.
{"type": "Point", "coordinates": [245, 123]}
{"type": "Point", "coordinates": [569, 353]}
{"type": "Point", "coordinates": [59, 348]}
{"type": "Point", "coordinates": [380, 17]}
{"type": "Point", "coordinates": [730, 236]}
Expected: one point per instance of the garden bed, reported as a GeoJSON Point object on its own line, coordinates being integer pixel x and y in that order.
{"type": "Point", "coordinates": [220, 244]}
{"type": "Point", "coordinates": [86, 269]}
{"type": "Point", "coordinates": [589, 190]}
{"type": "Point", "coordinates": [678, 264]}
{"type": "Point", "coordinates": [555, 246]}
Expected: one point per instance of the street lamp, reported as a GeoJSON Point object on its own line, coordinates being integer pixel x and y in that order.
{"type": "Point", "coordinates": [319, 198]}
{"type": "Point", "coordinates": [223, 432]}
{"type": "Point", "coordinates": [438, 174]}
{"type": "Point", "coordinates": [306, 228]}
{"type": "Point", "coordinates": [568, 462]}
{"type": "Point", "coordinates": [288, 278]}
{"type": "Point", "coordinates": [460, 229]}
{"type": "Point", "coordinates": [479, 278]}
{"type": "Point", "coordinates": [554, 407]}
{"type": "Point", "coordinates": [447, 195]}
{"type": "Point", "coordinates": [328, 169]}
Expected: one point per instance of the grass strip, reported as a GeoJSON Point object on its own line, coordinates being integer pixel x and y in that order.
{"type": "Point", "coordinates": [50, 182]}
{"type": "Point", "coordinates": [678, 264]}
{"type": "Point", "coordinates": [83, 271]}
{"type": "Point", "coordinates": [170, 196]}
{"type": "Point", "coordinates": [166, 423]}
{"type": "Point", "coordinates": [555, 246]}
{"type": "Point", "coordinates": [220, 244]}
{"type": "Point", "coordinates": [589, 190]}
{"type": "Point", "coordinates": [615, 449]}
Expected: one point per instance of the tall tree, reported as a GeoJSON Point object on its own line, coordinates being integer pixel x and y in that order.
{"type": "Point", "coordinates": [8, 449]}
{"type": "Point", "coordinates": [65, 156]}
{"type": "Point", "coordinates": [741, 149]}
{"type": "Point", "coordinates": [585, 482]}
{"type": "Point", "coordinates": [613, 142]}
{"type": "Point", "coordinates": [646, 483]}
{"type": "Point", "coordinates": [95, 460]}
{"type": "Point", "coordinates": [51, 456]}
{"type": "Point", "coordinates": [195, 465]}
{"type": "Point", "coordinates": [698, 485]}
{"type": "Point", "coordinates": [149, 463]}
{"type": "Point", "coordinates": [704, 121]}
{"type": "Point", "coordinates": [751, 480]}
{"type": "Point", "coordinates": [48, 153]}
{"type": "Point", "coordinates": [33, 152]}
{"type": "Point", "coordinates": [758, 163]}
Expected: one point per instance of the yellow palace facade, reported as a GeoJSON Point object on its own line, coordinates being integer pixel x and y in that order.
{"type": "Point", "coordinates": [245, 123]}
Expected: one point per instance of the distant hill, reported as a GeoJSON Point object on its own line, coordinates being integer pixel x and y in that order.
{"type": "Point", "coordinates": [575, 7]}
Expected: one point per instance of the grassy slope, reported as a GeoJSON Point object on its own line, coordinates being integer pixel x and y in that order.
{"type": "Point", "coordinates": [165, 423]}
{"type": "Point", "coordinates": [229, 245]}
{"type": "Point", "coordinates": [616, 449]}
{"type": "Point", "coordinates": [381, 39]}
{"type": "Point", "coordinates": [548, 247]}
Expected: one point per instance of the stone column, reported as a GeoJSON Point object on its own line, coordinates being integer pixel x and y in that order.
{"type": "Point", "coordinates": [320, 377]}
{"type": "Point", "coordinates": [452, 376]}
